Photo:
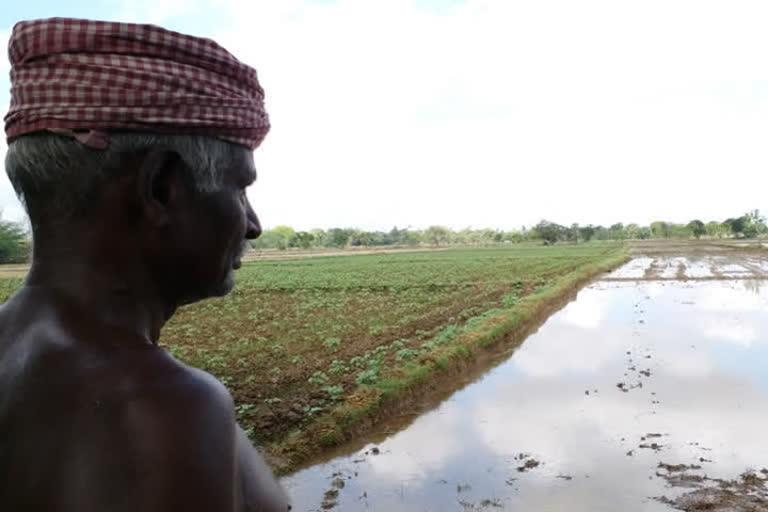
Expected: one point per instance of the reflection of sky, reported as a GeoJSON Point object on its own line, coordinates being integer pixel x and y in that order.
{"type": "Point", "coordinates": [708, 358]}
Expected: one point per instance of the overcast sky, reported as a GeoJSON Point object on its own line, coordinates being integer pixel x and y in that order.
{"type": "Point", "coordinates": [486, 113]}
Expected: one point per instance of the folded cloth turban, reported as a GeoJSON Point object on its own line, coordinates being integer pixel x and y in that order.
{"type": "Point", "coordinates": [84, 78]}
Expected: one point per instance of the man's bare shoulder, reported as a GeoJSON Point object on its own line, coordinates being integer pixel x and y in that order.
{"type": "Point", "coordinates": [169, 385]}
{"type": "Point", "coordinates": [182, 428]}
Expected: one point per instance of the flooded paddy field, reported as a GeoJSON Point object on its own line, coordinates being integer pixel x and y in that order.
{"type": "Point", "coordinates": [647, 392]}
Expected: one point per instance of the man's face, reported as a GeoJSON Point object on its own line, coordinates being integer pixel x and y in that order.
{"type": "Point", "coordinates": [219, 227]}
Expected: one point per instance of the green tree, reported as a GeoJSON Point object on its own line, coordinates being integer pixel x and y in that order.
{"type": "Point", "coordinates": [437, 235]}
{"type": "Point", "coordinates": [304, 239]}
{"type": "Point", "coordinates": [632, 231]}
{"type": "Point", "coordinates": [717, 229]}
{"type": "Point", "coordinates": [285, 237]}
{"type": "Point", "coordinates": [573, 233]}
{"type": "Point", "coordinates": [337, 237]}
{"type": "Point", "coordinates": [14, 244]}
{"type": "Point", "coordinates": [644, 233]}
{"type": "Point", "coordinates": [758, 223]}
{"type": "Point", "coordinates": [587, 232]}
{"type": "Point", "coordinates": [697, 228]}
{"type": "Point", "coordinates": [617, 231]}
{"type": "Point", "coordinates": [358, 238]}
{"type": "Point", "coordinates": [737, 225]}
{"type": "Point", "coordinates": [659, 229]}
{"type": "Point", "coordinates": [413, 238]}
{"type": "Point", "coordinates": [549, 231]}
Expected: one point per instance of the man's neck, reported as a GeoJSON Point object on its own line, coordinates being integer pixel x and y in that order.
{"type": "Point", "coordinates": [110, 284]}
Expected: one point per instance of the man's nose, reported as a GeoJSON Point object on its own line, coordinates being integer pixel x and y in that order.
{"type": "Point", "coordinates": [254, 226]}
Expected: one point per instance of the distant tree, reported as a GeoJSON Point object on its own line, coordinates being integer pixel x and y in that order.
{"type": "Point", "coordinates": [549, 231]}
{"type": "Point", "coordinates": [737, 225]}
{"type": "Point", "coordinates": [697, 228]}
{"type": "Point", "coordinates": [632, 231]}
{"type": "Point", "coordinates": [304, 239]}
{"type": "Point", "coordinates": [413, 238]}
{"type": "Point", "coordinates": [680, 231]}
{"type": "Point", "coordinates": [268, 240]}
{"type": "Point", "coordinates": [617, 231]}
{"type": "Point", "coordinates": [285, 236]}
{"type": "Point", "coordinates": [716, 229]}
{"type": "Point", "coordinates": [602, 233]}
{"type": "Point", "coordinates": [337, 237]}
{"type": "Point", "coordinates": [659, 229]}
{"type": "Point", "coordinates": [644, 233]}
{"type": "Point", "coordinates": [379, 238]}
{"type": "Point", "coordinates": [357, 238]}
{"type": "Point", "coordinates": [437, 235]}
{"type": "Point", "coordinates": [399, 236]}
{"type": "Point", "coordinates": [573, 234]}
{"type": "Point", "coordinates": [750, 230]}
{"type": "Point", "coordinates": [14, 243]}
{"type": "Point", "coordinates": [319, 235]}
{"type": "Point", "coordinates": [757, 222]}
{"type": "Point", "coordinates": [587, 232]}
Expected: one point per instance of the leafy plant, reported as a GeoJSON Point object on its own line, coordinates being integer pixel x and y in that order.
{"type": "Point", "coordinates": [318, 378]}
{"type": "Point", "coordinates": [398, 344]}
{"type": "Point", "coordinates": [334, 392]}
{"type": "Point", "coordinates": [509, 300]}
{"type": "Point", "coordinates": [369, 376]}
{"type": "Point", "coordinates": [332, 343]}
{"type": "Point", "coordinates": [405, 354]}
{"type": "Point", "coordinates": [337, 367]}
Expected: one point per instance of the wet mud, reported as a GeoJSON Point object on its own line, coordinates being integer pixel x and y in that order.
{"type": "Point", "coordinates": [648, 392]}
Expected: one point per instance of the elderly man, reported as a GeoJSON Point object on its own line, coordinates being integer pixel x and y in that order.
{"type": "Point", "coordinates": [131, 149]}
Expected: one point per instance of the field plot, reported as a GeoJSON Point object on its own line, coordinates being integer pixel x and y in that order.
{"type": "Point", "coordinates": [646, 392]}
{"type": "Point", "coordinates": [298, 338]}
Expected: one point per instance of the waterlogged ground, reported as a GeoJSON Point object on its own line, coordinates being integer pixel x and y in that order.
{"type": "Point", "coordinates": [648, 392]}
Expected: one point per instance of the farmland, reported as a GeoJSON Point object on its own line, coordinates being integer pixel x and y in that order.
{"type": "Point", "coordinates": [645, 391]}
{"type": "Point", "coordinates": [300, 338]}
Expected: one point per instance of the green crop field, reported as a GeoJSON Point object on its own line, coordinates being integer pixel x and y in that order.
{"type": "Point", "coordinates": [298, 338]}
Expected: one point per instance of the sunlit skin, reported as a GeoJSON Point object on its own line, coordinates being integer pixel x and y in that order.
{"type": "Point", "coordinates": [94, 416]}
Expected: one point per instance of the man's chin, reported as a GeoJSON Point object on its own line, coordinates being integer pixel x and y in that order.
{"type": "Point", "coordinates": [225, 286]}
{"type": "Point", "coordinates": [219, 289]}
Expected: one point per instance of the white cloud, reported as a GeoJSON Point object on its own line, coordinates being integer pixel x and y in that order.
{"type": "Point", "coordinates": [495, 113]}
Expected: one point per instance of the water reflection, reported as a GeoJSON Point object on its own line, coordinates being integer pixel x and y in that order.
{"type": "Point", "coordinates": [684, 361]}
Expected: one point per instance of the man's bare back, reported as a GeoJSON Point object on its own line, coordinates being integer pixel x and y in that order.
{"type": "Point", "coordinates": [103, 413]}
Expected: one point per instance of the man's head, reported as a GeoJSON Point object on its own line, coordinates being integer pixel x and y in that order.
{"type": "Point", "coordinates": [140, 138]}
{"type": "Point", "coordinates": [178, 199]}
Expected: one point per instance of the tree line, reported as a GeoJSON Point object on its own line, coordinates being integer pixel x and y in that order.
{"type": "Point", "coordinates": [15, 242]}
{"type": "Point", "coordinates": [749, 225]}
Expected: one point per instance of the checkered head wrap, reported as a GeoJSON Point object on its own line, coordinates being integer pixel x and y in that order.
{"type": "Point", "coordinates": [84, 78]}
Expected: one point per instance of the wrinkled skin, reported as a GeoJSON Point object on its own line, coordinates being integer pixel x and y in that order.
{"type": "Point", "coordinates": [94, 416]}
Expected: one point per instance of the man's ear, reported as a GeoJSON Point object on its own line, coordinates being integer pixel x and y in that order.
{"type": "Point", "coordinates": [159, 182]}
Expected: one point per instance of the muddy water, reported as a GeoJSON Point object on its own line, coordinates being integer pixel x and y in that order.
{"type": "Point", "coordinates": [631, 374]}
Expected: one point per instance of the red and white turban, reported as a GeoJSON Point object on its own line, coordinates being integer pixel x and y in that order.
{"type": "Point", "coordinates": [89, 77]}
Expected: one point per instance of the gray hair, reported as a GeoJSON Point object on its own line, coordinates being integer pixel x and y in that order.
{"type": "Point", "coordinates": [56, 177]}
